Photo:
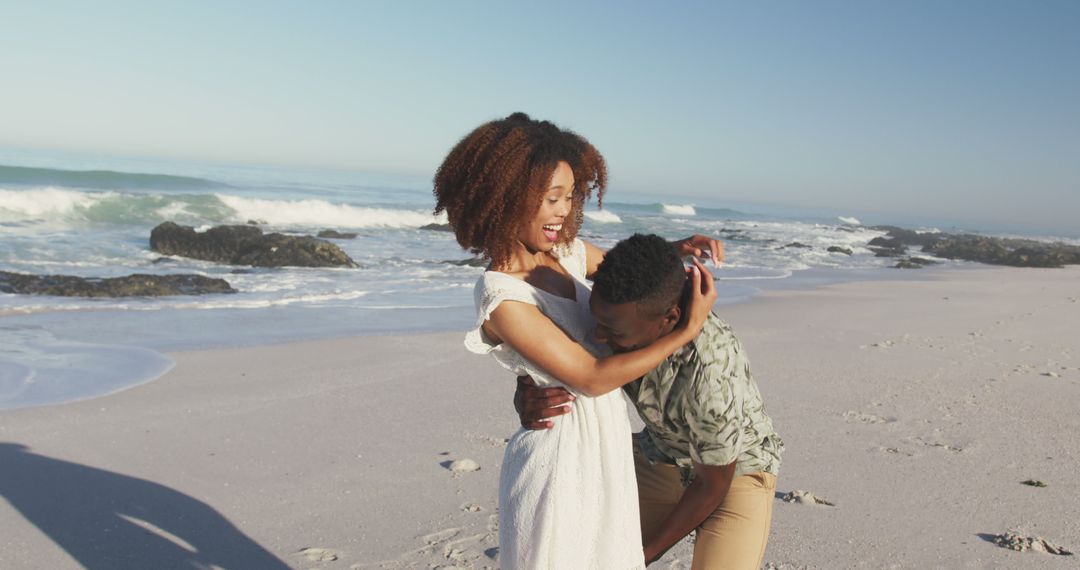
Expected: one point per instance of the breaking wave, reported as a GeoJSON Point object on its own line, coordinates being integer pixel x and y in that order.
{"type": "Point", "coordinates": [72, 206]}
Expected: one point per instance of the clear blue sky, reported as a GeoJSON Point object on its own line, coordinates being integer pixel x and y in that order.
{"type": "Point", "coordinates": [964, 109]}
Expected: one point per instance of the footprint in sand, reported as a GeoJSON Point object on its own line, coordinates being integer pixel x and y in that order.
{"type": "Point", "coordinates": [805, 498]}
{"type": "Point", "coordinates": [319, 554]}
{"type": "Point", "coordinates": [856, 416]}
{"type": "Point", "coordinates": [937, 444]}
{"type": "Point", "coordinates": [446, 548]}
{"type": "Point", "coordinates": [488, 440]}
{"type": "Point", "coordinates": [894, 451]}
{"type": "Point", "coordinates": [461, 465]}
{"type": "Point", "coordinates": [1014, 541]}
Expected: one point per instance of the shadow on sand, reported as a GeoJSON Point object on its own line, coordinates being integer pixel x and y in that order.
{"type": "Point", "coordinates": [108, 520]}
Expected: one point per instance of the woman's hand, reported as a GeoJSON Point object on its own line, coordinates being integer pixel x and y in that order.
{"type": "Point", "coordinates": [698, 245]}
{"type": "Point", "coordinates": [700, 303]}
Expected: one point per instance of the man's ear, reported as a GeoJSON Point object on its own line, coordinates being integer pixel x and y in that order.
{"type": "Point", "coordinates": [671, 317]}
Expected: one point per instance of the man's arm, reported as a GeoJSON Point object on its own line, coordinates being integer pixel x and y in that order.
{"type": "Point", "coordinates": [535, 405]}
{"type": "Point", "coordinates": [705, 493]}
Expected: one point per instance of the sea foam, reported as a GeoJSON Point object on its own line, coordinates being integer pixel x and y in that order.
{"type": "Point", "coordinates": [678, 209]}
{"type": "Point", "coordinates": [45, 203]}
{"type": "Point", "coordinates": [603, 217]}
{"type": "Point", "coordinates": [321, 213]}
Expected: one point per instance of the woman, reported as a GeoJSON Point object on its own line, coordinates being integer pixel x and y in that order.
{"type": "Point", "coordinates": [513, 191]}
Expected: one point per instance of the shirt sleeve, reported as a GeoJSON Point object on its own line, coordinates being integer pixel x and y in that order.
{"type": "Point", "coordinates": [714, 415]}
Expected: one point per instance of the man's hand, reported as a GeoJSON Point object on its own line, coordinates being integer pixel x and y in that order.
{"type": "Point", "coordinates": [699, 245]}
{"type": "Point", "coordinates": [535, 405]}
{"type": "Point", "coordinates": [706, 492]}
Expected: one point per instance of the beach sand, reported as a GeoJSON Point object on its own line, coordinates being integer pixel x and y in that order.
{"type": "Point", "coordinates": [917, 408]}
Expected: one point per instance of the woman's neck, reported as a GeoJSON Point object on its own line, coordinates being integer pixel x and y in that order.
{"type": "Point", "coordinates": [524, 260]}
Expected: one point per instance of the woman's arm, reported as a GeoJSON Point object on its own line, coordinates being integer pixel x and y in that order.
{"type": "Point", "coordinates": [696, 245]}
{"type": "Point", "coordinates": [536, 337]}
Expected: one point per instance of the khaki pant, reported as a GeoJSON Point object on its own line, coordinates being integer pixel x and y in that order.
{"type": "Point", "coordinates": [734, 535]}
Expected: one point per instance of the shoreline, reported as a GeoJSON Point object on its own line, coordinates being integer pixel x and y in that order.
{"type": "Point", "coordinates": [139, 331]}
{"type": "Point", "coordinates": [917, 408]}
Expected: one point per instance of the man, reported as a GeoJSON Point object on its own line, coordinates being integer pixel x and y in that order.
{"type": "Point", "coordinates": [709, 456]}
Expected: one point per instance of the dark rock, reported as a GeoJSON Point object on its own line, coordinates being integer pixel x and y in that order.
{"type": "Point", "coordinates": [838, 249]}
{"type": "Point", "coordinates": [257, 222]}
{"type": "Point", "coordinates": [337, 235]}
{"type": "Point", "coordinates": [888, 243]}
{"type": "Point", "coordinates": [137, 285]}
{"type": "Point", "coordinates": [437, 227]}
{"type": "Point", "coordinates": [887, 247]}
{"type": "Point", "coordinates": [163, 260]}
{"type": "Point", "coordinates": [1005, 251]}
{"type": "Point", "coordinates": [915, 263]}
{"type": "Point", "coordinates": [796, 244]}
{"type": "Point", "coordinates": [247, 245]}
{"type": "Point", "coordinates": [471, 262]}
{"type": "Point", "coordinates": [909, 237]}
{"type": "Point", "coordinates": [738, 236]}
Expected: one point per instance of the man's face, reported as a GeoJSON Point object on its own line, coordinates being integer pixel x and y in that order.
{"type": "Point", "coordinates": [622, 328]}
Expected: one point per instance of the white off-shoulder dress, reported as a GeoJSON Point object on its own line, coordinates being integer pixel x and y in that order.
{"type": "Point", "coordinates": [568, 495]}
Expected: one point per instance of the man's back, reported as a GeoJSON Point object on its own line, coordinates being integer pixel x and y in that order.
{"type": "Point", "coordinates": [702, 405]}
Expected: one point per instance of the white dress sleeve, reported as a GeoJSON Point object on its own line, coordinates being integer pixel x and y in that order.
{"type": "Point", "coordinates": [492, 289]}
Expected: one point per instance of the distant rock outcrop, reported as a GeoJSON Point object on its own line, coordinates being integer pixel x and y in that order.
{"type": "Point", "coordinates": [915, 263]}
{"type": "Point", "coordinates": [909, 237]}
{"type": "Point", "coordinates": [137, 285]}
{"type": "Point", "coordinates": [984, 249]}
{"type": "Point", "coordinates": [887, 247]}
{"type": "Point", "coordinates": [999, 251]}
{"type": "Point", "coordinates": [470, 262]}
{"type": "Point", "coordinates": [839, 249]}
{"type": "Point", "coordinates": [333, 234]}
{"type": "Point", "coordinates": [247, 245]}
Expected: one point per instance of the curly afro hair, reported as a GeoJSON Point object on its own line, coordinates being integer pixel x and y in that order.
{"type": "Point", "coordinates": [494, 180]}
{"type": "Point", "coordinates": [644, 269]}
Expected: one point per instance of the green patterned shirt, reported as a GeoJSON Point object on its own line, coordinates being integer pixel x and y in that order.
{"type": "Point", "coordinates": [702, 405]}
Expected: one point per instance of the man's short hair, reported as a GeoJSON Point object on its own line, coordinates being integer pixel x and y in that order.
{"type": "Point", "coordinates": [645, 269]}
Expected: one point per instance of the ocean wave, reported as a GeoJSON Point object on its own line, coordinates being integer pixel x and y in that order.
{"type": "Point", "coordinates": [72, 206]}
{"type": "Point", "coordinates": [44, 203]}
{"type": "Point", "coordinates": [103, 179]}
{"type": "Point", "coordinates": [630, 208]}
{"type": "Point", "coordinates": [320, 213]}
{"type": "Point", "coordinates": [678, 209]}
{"type": "Point", "coordinates": [603, 217]}
{"type": "Point", "coordinates": [52, 204]}
{"type": "Point", "coordinates": [849, 220]}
